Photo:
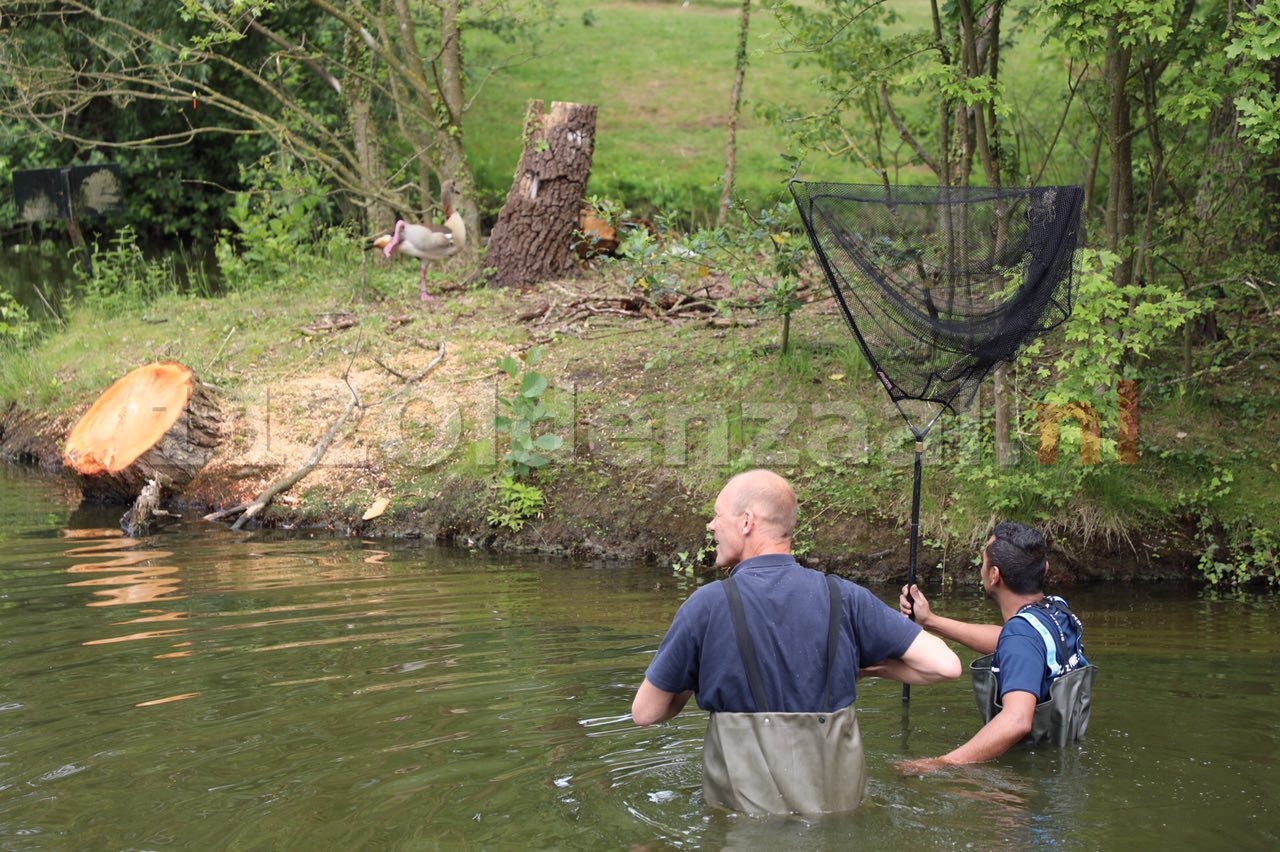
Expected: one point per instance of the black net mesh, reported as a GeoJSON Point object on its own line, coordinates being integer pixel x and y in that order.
{"type": "Point", "coordinates": [939, 284]}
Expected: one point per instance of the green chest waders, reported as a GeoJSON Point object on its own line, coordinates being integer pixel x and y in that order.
{"type": "Point", "coordinates": [780, 763]}
{"type": "Point", "coordinates": [1064, 716]}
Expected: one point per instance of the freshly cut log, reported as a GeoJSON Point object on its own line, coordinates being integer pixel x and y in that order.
{"type": "Point", "coordinates": [158, 422]}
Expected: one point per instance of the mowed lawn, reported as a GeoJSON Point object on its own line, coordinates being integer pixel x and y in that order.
{"type": "Point", "coordinates": [661, 75]}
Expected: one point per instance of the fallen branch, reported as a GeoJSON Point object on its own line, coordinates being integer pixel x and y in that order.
{"type": "Point", "coordinates": [260, 502]}
{"type": "Point", "coordinates": [409, 381]}
{"type": "Point", "coordinates": [422, 374]}
{"type": "Point", "coordinates": [401, 376]}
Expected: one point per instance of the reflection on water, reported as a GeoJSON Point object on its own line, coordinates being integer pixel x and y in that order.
{"type": "Point", "coordinates": [208, 689]}
{"type": "Point", "coordinates": [143, 582]}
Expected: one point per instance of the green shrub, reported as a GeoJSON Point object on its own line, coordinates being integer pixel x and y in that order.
{"type": "Point", "coordinates": [278, 222]}
{"type": "Point", "coordinates": [121, 277]}
{"type": "Point", "coordinates": [16, 327]}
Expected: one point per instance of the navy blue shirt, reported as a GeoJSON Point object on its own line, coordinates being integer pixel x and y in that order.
{"type": "Point", "coordinates": [787, 610]}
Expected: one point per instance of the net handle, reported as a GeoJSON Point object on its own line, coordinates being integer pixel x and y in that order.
{"type": "Point", "coordinates": [913, 549]}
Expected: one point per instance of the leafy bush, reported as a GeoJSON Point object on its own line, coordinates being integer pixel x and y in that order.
{"type": "Point", "coordinates": [16, 327]}
{"type": "Point", "coordinates": [1111, 331]}
{"type": "Point", "coordinates": [278, 220]}
{"type": "Point", "coordinates": [121, 276]}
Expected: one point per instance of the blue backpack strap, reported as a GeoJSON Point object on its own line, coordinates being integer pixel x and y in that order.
{"type": "Point", "coordinates": [1053, 647]}
{"type": "Point", "coordinates": [1043, 616]}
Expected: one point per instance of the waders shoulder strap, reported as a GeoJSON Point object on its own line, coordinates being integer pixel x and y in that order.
{"type": "Point", "coordinates": [748, 651]}
{"type": "Point", "coordinates": [833, 636]}
{"type": "Point", "coordinates": [744, 644]}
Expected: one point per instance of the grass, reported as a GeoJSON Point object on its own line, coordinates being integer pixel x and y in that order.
{"type": "Point", "coordinates": [660, 75]}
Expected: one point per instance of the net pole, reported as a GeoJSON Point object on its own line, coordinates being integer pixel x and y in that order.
{"type": "Point", "coordinates": [915, 542]}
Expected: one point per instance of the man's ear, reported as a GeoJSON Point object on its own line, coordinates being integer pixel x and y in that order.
{"type": "Point", "coordinates": [748, 521]}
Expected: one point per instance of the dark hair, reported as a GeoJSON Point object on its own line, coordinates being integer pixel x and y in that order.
{"type": "Point", "coordinates": [1021, 555]}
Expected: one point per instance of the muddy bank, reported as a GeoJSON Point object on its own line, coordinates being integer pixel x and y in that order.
{"type": "Point", "coordinates": [645, 514]}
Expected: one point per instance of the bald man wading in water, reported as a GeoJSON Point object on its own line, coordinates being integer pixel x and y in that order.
{"type": "Point", "coordinates": [774, 652]}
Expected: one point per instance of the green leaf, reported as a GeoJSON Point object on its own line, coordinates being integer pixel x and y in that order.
{"type": "Point", "coordinates": [533, 385]}
{"type": "Point", "coordinates": [549, 442]}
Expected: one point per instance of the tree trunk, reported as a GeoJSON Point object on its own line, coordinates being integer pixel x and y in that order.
{"type": "Point", "coordinates": [158, 422]}
{"type": "Point", "coordinates": [364, 138]}
{"type": "Point", "coordinates": [1005, 455]}
{"type": "Point", "coordinates": [453, 155]}
{"type": "Point", "coordinates": [1119, 217]}
{"type": "Point", "coordinates": [735, 110]}
{"type": "Point", "coordinates": [534, 234]}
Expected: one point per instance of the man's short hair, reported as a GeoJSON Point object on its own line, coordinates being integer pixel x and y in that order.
{"type": "Point", "coordinates": [1021, 554]}
{"type": "Point", "coordinates": [772, 498]}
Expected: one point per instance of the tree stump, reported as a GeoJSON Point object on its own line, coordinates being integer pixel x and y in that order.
{"type": "Point", "coordinates": [158, 422]}
{"type": "Point", "coordinates": [533, 238]}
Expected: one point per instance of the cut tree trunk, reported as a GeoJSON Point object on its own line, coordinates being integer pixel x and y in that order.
{"type": "Point", "coordinates": [533, 238]}
{"type": "Point", "coordinates": [158, 422]}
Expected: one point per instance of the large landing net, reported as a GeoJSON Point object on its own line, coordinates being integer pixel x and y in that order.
{"type": "Point", "coordinates": [940, 284]}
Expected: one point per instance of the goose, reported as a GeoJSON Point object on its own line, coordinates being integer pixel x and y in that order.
{"type": "Point", "coordinates": [429, 242]}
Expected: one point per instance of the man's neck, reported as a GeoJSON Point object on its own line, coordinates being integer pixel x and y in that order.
{"type": "Point", "coordinates": [1010, 603]}
{"type": "Point", "coordinates": [767, 548]}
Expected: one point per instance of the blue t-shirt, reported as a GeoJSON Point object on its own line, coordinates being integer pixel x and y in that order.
{"type": "Point", "coordinates": [787, 610]}
{"type": "Point", "coordinates": [1020, 662]}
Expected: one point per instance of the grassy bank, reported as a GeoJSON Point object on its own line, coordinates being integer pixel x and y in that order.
{"type": "Point", "coordinates": [653, 412]}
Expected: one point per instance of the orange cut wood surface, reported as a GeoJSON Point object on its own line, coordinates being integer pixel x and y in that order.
{"type": "Point", "coordinates": [129, 418]}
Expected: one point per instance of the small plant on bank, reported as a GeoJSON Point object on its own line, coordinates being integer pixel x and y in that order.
{"type": "Point", "coordinates": [518, 504]}
{"type": "Point", "coordinates": [687, 564]}
{"type": "Point", "coordinates": [16, 327]}
{"type": "Point", "coordinates": [526, 450]}
{"type": "Point", "coordinates": [121, 277]}
{"type": "Point", "coordinates": [525, 410]}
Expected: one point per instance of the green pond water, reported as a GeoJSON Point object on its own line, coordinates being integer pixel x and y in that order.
{"type": "Point", "coordinates": [204, 689]}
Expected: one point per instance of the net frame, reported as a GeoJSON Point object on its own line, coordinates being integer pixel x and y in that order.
{"type": "Point", "coordinates": [935, 266]}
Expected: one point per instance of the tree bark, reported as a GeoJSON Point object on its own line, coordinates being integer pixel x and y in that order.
{"type": "Point", "coordinates": [158, 422]}
{"type": "Point", "coordinates": [533, 237]}
{"type": "Point", "coordinates": [1005, 455]}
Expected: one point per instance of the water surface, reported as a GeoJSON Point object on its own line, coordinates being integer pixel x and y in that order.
{"type": "Point", "coordinates": [216, 690]}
